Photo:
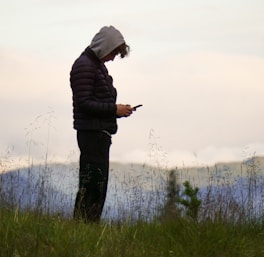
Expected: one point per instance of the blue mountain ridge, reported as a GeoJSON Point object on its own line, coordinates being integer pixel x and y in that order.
{"type": "Point", "coordinates": [134, 191]}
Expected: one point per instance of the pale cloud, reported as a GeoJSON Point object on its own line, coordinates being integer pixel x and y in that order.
{"type": "Point", "coordinates": [27, 76]}
{"type": "Point", "coordinates": [197, 68]}
{"type": "Point", "coordinates": [195, 100]}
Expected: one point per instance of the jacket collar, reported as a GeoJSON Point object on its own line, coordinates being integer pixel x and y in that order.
{"type": "Point", "coordinates": [89, 52]}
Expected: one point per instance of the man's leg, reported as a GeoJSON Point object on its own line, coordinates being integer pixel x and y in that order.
{"type": "Point", "coordinates": [93, 176]}
{"type": "Point", "coordinates": [92, 192]}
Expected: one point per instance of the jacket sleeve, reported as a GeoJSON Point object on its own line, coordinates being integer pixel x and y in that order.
{"type": "Point", "coordinates": [89, 95]}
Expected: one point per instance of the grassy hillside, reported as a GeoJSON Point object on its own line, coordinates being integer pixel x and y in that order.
{"type": "Point", "coordinates": [146, 213]}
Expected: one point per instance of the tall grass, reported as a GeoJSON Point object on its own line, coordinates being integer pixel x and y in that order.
{"type": "Point", "coordinates": [29, 234]}
{"type": "Point", "coordinates": [235, 197]}
{"type": "Point", "coordinates": [142, 194]}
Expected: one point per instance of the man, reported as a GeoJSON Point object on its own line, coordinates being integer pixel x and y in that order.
{"type": "Point", "coordinates": [95, 112]}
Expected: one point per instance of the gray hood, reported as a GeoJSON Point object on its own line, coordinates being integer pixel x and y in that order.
{"type": "Point", "coordinates": [106, 40]}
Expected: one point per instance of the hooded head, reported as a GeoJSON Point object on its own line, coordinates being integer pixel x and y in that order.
{"type": "Point", "coordinates": [106, 40]}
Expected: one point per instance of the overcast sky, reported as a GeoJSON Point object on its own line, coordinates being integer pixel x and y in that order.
{"type": "Point", "coordinates": [197, 66]}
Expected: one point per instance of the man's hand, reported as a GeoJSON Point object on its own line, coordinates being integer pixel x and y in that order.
{"type": "Point", "coordinates": [123, 110]}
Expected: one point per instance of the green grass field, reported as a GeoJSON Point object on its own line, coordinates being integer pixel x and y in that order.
{"type": "Point", "coordinates": [31, 234]}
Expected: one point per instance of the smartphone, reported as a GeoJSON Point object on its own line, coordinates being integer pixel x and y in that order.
{"type": "Point", "coordinates": [135, 107]}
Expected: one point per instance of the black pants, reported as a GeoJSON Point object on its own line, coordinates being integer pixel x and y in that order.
{"type": "Point", "coordinates": [93, 175]}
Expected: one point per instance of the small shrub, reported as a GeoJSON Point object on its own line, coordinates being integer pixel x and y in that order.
{"type": "Point", "coordinates": [189, 199]}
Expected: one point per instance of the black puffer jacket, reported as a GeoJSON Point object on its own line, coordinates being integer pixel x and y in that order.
{"type": "Point", "coordinates": [94, 96]}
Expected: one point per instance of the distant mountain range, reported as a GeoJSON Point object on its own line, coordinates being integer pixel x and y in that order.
{"type": "Point", "coordinates": [134, 189]}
